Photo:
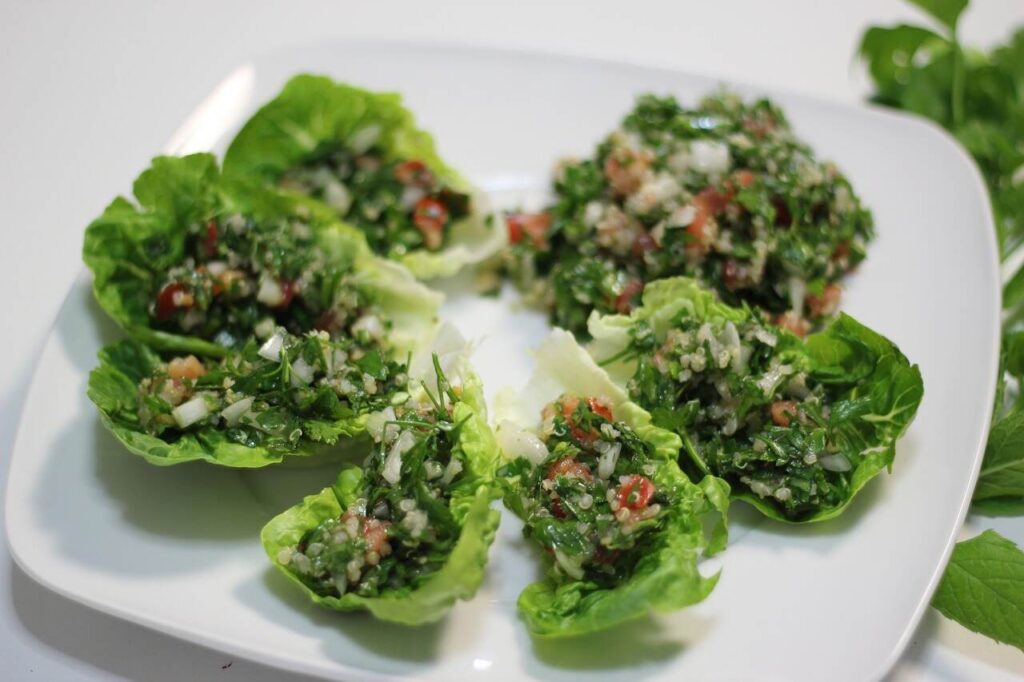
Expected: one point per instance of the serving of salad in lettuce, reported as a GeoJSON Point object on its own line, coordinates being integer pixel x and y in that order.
{"type": "Point", "coordinates": [201, 264]}
{"type": "Point", "coordinates": [724, 192]}
{"type": "Point", "coordinates": [796, 426]}
{"type": "Point", "coordinates": [361, 154]}
{"type": "Point", "coordinates": [286, 396]}
{"type": "Point", "coordinates": [599, 491]}
{"type": "Point", "coordinates": [407, 534]}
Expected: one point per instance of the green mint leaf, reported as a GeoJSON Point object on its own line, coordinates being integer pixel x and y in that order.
{"type": "Point", "coordinates": [1002, 470]}
{"type": "Point", "coordinates": [983, 588]}
{"type": "Point", "coordinates": [890, 51]}
{"type": "Point", "coordinates": [946, 11]}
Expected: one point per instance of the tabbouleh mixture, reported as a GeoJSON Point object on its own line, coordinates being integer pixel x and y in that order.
{"type": "Point", "coordinates": [274, 394]}
{"type": "Point", "coordinates": [241, 277]}
{"type": "Point", "coordinates": [590, 500]}
{"type": "Point", "coordinates": [400, 206]}
{"type": "Point", "coordinates": [753, 414]}
{"type": "Point", "coordinates": [724, 193]}
{"type": "Point", "coordinates": [400, 530]}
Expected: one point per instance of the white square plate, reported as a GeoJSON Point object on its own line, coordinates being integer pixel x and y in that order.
{"type": "Point", "coordinates": [177, 549]}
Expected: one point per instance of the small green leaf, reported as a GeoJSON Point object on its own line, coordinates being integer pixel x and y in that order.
{"type": "Point", "coordinates": [1002, 471]}
{"type": "Point", "coordinates": [983, 588]}
{"type": "Point", "coordinates": [946, 11]}
{"type": "Point", "coordinates": [890, 53]}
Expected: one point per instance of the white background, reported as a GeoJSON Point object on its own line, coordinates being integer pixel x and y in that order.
{"type": "Point", "coordinates": [90, 91]}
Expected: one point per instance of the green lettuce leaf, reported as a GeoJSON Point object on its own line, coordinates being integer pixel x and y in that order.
{"type": "Point", "coordinates": [470, 504]}
{"type": "Point", "coordinates": [114, 386]}
{"type": "Point", "coordinates": [667, 577]}
{"type": "Point", "coordinates": [865, 374]}
{"type": "Point", "coordinates": [983, 588]}
{"type": "Point", "coordinates": [313, 113]}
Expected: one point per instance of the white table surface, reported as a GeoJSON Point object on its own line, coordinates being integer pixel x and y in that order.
{"type": "Point", "coordinates": [90, 91]}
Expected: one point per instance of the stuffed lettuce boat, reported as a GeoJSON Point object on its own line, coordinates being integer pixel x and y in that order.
{"type": "Point", "coordinates": [200, 264]}
{"type": "Point", "coordinates": [599, 490]}
{"type": "Point", "coordinates": [361, 154]}
{"type": "Point", "coordinates": [797, 427]}
{"type": "Point", "coordinates": [406, 535]}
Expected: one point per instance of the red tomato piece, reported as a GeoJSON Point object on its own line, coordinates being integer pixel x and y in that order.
{"type": "Point", "coordinates": [210, 240]}
{"type": "Point", "coordinates": [636, 493]}
{"type": "Point", "coordinates": [173, 297]}
{"type": "Point", "coordinates": [430, 216]}
{"type": "Point", "coordinates": [598, 406]}
{"type": "Point", "coordinates": [569, 468]}
{"type": "Point", "coordinates": [626, 300]}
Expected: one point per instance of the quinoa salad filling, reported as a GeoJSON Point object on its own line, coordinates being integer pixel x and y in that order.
{"type": "Point", "coordinates": [724, 193]}
{"type": "Point", "coordinates": [400, 206]}
{"type": "Point", "coordinates": [755, 416]}
{"type": "Point", "coordinates": [275, 393]}
{"type": "Point", "coordinates": [399, 530]}
{"type": "Point", "coordinates": [588, 496]}
{"type": "Point", "coordinates": [241, 277]}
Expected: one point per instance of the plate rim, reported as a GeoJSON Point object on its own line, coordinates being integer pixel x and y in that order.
{"type": "Point", "coordinates": [178, 143]}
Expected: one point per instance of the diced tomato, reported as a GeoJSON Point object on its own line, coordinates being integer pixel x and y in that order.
{"type": "Point", "coordinates": [711, 200]}
{"type": "Point", "coordinates": [288, 289]}
{"type": "Point", "coordinates": [842, 251]}
{"type": "Point", "coordinates": [644, 244]}
{"type": "Point", "coordinates": [557, 510]}
{"type": "Point", "coordinates": [603, 555]}
{"type": "Point", "coordinates": [210, 240]}
{"type": "Point", "coordinates": [783, 218]}
{"type": "Point", "coordinates": [759, 126]}
{"type": "Point", "coordinates": [744, 178]}
{"type": "Point", "coordinates": [375, 533]}
{"type": "Point", "coordinates": [188, 367]}
{"type": "Point", "coordinates": [326, 321]}
{"type": "Point", "coordinates": [731, 274]}
{"type": "Point", "coordinates": [783, 412]}
{"type": "Point", "coordinates": [827, 303]}
{"type": "Point", "coordinates": [430, 216]}
{"type": "Point", "coordinates": [598, 406]}
{"type": "Point", "coordinates": [175, 296]}
{"type": "Point", "coordinates": [792, 322]}
{"type": "Point", "coordinates": [569, 468]}
{"type": "Point", "coordinates": [636, 493]}
{"type": "Point", "coordinates": [626, 300]}
{"type": "Point", "coordinates": [414, 173]}
{"type": "Point", "coordinates": [625, 170]}
{"type": "Point", "coordinates": [532, 225]}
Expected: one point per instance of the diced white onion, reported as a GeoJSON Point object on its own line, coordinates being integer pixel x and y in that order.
{"type": "Point", "coordinates": [608, 458]}
{"type": "Point", "coordinates": [337, 196]}
{"type": "Point", "coordinates": [264, 328]}
{"type": "Point", "coordinates": [516, 442]}
{"type": "Point", "coordinates": [364, 138]}
{"type": "Point", "coordinates": [453, 469]}
{"type": "Point", "coordinates": [836, 462]}
{"type": "Point", "coordinates": [411, 196]}
{"type": "Point", "coordinates": [392, 471]}
{"type": "Point", "coordinates": [233, 412]}
{"type": "Point", "coordinates": [797, 294]}
{"type": "Point", "coordinates": [370, 324]}
{"type": "Point", "coordinates": [377, 421]}
{"type": "Point", "coordinates": [710, 157]}
{"type": "Point", "coordinates": [302, 372]}
{"type": "Point", "coordinates": [572, 568]}
{"type": "Point", "coordinates": [270, 293]}
{"type": "Point", "coordinates": [189, 413]}
{"type": "Point", "coordinates": [271, 349]}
